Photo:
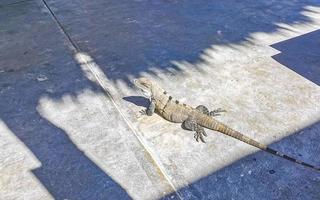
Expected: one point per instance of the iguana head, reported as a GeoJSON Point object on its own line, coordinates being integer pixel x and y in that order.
{"type": "Point", "coordinates": [148, 87]}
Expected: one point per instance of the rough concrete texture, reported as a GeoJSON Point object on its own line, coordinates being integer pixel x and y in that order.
{"type": "Point", "coordinates": [70, 125]}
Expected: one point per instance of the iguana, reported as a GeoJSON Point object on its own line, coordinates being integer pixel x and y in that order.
{"type": "Point", "coordinates": [196, 119]}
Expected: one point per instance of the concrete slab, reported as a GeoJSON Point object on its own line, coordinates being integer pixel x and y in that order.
{"type": "Point", "coordinates": [164, 40]}
{"type": "Point", "coordinates": [61, 138]}
{"type": "Point", "coordinates": [219, 54]}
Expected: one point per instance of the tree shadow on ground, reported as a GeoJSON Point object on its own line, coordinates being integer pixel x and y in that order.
{"type": "Point", "coordinates": [264, 176]}
{"type": "Point", "coordinates": [66, 172]}
{"type": "Point", "coordinates": [302, 55]}
{"type": "Point", "coordinates": [127, 38]}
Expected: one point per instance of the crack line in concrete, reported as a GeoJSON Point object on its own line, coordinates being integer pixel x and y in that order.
{"type": "Point", "coordinates": [75, 48]}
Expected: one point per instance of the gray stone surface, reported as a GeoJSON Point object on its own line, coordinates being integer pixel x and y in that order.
{"type": "Point", "coordinates": [70, 116]}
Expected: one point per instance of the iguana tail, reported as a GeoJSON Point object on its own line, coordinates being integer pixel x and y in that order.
{"type": "Point", "coordinates": [212, 124]}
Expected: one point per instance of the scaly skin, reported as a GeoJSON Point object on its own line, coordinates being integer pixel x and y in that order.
{"type": "Point", "coordinates": [196, 119]}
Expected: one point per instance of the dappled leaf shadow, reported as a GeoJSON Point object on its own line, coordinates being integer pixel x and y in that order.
{"type": "Point", "coordinates": [65, 171]}
{"type": "Point", "coordinates": [127, 38]}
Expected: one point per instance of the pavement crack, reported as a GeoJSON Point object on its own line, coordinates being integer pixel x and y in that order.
{"type": "Point", "coordinates": [74, 46]}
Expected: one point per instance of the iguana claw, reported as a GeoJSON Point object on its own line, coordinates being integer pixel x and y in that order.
{"type": "Point", "coordinates": [143, 112]}
{"type": "Point", "coordinates": [200, 135]}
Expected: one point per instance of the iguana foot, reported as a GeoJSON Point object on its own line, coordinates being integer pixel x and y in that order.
{"type": "Point", "coordinates": [199, 134]}
{"type": "Point", "coordinates": [192, 125]}
{"type": "Point", "coordinates": [216, 112]}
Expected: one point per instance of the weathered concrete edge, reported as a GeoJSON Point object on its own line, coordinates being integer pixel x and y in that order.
{"type": "Point", "coordinates": [101, 80]}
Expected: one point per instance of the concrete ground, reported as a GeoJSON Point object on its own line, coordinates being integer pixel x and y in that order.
{"type": "Point", "coordinates": [69, 115]}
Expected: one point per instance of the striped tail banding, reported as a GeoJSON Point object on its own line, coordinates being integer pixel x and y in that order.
{"type": "Point", "coordinates": [281, 155]}
{"type": "Point", "coordinates": [212, 124]}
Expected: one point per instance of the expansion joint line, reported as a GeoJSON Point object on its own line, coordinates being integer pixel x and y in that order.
{"type": "Point", "coordinates": [75, 48]}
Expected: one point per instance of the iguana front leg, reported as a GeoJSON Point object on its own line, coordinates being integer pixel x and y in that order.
{"type": "Point", "coordinates": [191, 124]}
{"type": "Point", "coordinates": [150, 110]}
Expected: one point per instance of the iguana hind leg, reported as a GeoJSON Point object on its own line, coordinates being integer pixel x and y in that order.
{"type": "Point", "coordinates": [192, 125]}
{"type": "Point", "coordinates": [213, 113]}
